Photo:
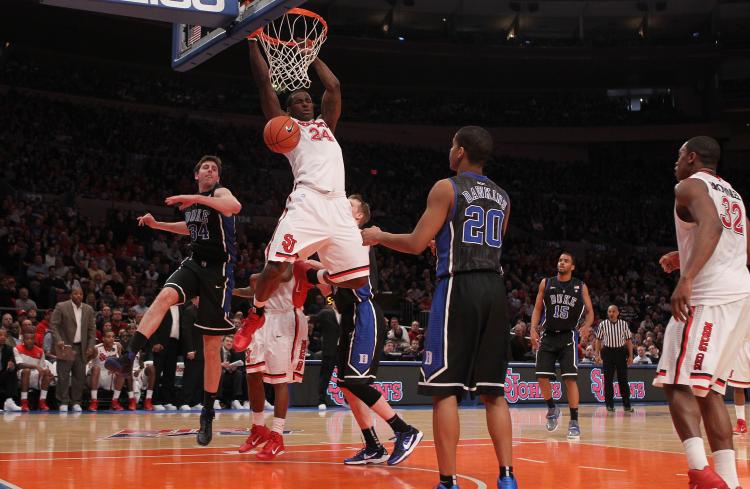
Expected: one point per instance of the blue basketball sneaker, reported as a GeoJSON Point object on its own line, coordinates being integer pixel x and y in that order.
{"type": "Point", "coordinates": [368, 456]}
{"type": "Point", "coordinates": [574, 431]}
{"type": "Point", "coordinates": [443, 486]}
{"type": "Point", "coordinates": [507, 482]}
{"type": "Point", "coordinates": [405, 443]}
{"type": "Point", "coordinates": [553, 418]}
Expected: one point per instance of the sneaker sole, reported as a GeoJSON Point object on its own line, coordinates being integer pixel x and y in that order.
{"type": "Point", "coordinates": [574, 437]}
{"type": "Point", "coordinates": [374, 461]}
{"type": "Point", "coordinates": [408, 452]}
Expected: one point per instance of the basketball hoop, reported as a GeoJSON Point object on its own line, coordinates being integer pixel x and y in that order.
{"type": "Point", "coordinates": [291, 44]}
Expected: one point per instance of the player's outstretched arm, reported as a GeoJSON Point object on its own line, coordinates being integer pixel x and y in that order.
{"type": "Point", "coordinates": [330, 107]}
{"type": "Point", "coordinates": [223, 201]}
{"type": "Point", "coordinates": [536, 314]}
{"type": "Point", "coordinates": [692, 195]}
{"type": "Point", "coordinates": [439, 204]}
{"type": "Point", "coordinates": [170, 227]}
{"type": "Point", "coordinates": [269, 101]}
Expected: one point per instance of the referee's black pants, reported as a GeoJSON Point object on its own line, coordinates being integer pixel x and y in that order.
{"type": "Point", "coordinates": [616, 361]}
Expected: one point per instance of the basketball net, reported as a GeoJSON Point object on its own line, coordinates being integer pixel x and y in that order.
{"type": "Point", "coordinates": [291, 44]}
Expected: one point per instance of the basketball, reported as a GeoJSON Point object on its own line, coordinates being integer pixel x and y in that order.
{"type": "Point", "coordinates": [281, 134]}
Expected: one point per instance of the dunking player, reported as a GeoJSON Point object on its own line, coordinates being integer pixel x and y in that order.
{"type": "Point", "coordinates": [318, 216]}
{"type": "Point", "coordinates": [710, 310]}
{"type": "Point", "coordinates": [469, 330]}
{"type": "Point", "coordinates": [276, 356]}
{"type": "Point", "coordinates": [363, 330]}
{"type": "Point", "coordinates": [207, 273]}
{"type": "Point", "coordinates": [558, 310]}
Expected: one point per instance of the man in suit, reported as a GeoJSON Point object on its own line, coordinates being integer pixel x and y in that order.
{"type": "Point", "coordinates": [8, 378]}
{"type": "Point", "coordinates": [232, 375]}
{"type": "Point", "coordinates": [74, 336]}
{"type": "Point", "coordinates": [165, 345]}
{"type": "Point", "coordinates": [192, 352]}
{"type": "Point", "coordinates": [327, 325]}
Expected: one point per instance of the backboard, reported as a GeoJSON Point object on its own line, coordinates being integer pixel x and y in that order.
{"type": "Point", "coordinates": [194, 44]}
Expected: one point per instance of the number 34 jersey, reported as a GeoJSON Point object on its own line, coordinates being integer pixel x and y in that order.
{"type": "Point", "coordinates": [472, 237]}
{"type": "Point", "coordinates": [724, 278]}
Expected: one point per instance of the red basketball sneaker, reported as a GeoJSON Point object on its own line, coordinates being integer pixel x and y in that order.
{"type": "Point", "coordinates": [259, 434]}
{"type": "Point", "coordinates": [705, 479]}
{"type": "Point", "coordinates": [252, 323]}
{"type": "Point", "coordinates": [273, 448]}
{"type": "Point", "coordinates": [132, 404]}
{"type": "Point", "coordinates": [93, 405]}
{"type": "Point", "coordinates": [148, 405]}
{"type": "Point", "coordinates": [116, 406]}
{"type": "Point", "coordinates": [24, 405]}
{"type": "Point", "coordinates": [43, 405]}
{"type": "Point", "coordinates": [741, 427]}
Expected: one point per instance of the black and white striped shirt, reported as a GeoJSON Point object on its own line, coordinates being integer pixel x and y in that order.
{"type": "Point", "coordinates": [613, 335]}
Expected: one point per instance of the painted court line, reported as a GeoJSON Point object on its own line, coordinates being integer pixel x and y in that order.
{"type": "Point", "coordinates": [479, 484]}
{"type": "Point", "coordinates": [601, 468]}
{"type": "Point", "coordinates": [530, 460]}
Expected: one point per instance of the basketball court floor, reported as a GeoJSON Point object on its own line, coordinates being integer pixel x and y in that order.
{"type": "Point", "coordinates": [149, 450]}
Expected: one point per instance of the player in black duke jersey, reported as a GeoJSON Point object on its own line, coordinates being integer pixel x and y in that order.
{"type": "Point", "coordinates": [363, 331]}
{"type": "Point", "coordinates": [469, 330]}
{"type": "Point", "coordinates": [207, 273]}
{"type": "Point", "coordinates": [558, 311]}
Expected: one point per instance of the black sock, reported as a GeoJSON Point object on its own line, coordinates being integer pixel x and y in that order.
{"type": "Point", "coordinates": [137, 342]}
{"type": "Point", "coordinates": [506, 472]}
{"type": "Point", "coordinates": [574, 414]}
{"type": "Point", "coordinates": [448, 480]}
{"type": "Point", "coordinates": [371, 438]}
{"type": "Point", "coordinates": [208, 400]}
{"type": "Point", "coordinates": [312, 276]}
{"type": "Point", "coordinates": [398, 425]}
{"type": "Point", "coordinates": [550, 403]}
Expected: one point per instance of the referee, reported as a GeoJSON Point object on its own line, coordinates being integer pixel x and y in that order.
{"type": "Point", "coordinates": [615, 348]}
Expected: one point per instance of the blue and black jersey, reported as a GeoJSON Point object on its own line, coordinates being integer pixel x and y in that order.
{"type": "Point", "coordinates": [472, 237]}
{"type": "Point", "coordinates": [212, 234]}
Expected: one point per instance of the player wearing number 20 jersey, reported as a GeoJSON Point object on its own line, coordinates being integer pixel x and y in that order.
{"type": "Point", "coordinates": [468, 332]}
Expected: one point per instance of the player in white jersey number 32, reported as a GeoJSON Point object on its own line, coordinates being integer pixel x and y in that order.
{"type": "Point", "coordinates": [710, 309]}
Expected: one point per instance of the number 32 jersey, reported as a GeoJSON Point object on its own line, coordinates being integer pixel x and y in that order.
{"type": "Point", "coordinates": [472, 237]}
{"type": "Point", "coordinates": [724, 278]}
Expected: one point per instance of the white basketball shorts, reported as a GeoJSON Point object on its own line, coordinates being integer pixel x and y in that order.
{"type": "Point", "coordinates": [278, 348]}
{"type": "Point", "coordinates": [314, 222]}
{"type": "Point", "coordinates": [702, 352]}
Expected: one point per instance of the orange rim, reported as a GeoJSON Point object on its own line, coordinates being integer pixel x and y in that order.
{"type": "Point", "coordinates": [298, 11]}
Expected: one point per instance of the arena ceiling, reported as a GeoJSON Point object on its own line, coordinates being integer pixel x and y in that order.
{"type": "Point", "coordinates": [542, 19]}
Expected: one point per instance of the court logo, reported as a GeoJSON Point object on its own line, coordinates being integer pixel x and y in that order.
{"type": "Point", "coordinates": [131, 434]}
{"type": "Point", "coordinates": [521, 390]}
{"type": "Point", "coordinates": [637, 389]}
{"type": "Point", "coordinates": [391, 391]}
